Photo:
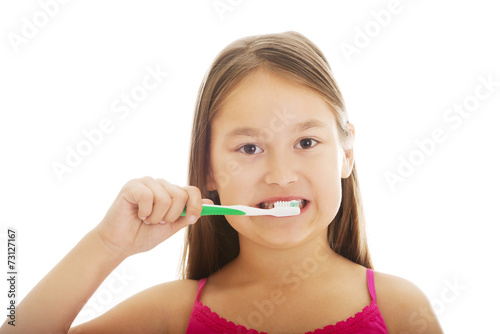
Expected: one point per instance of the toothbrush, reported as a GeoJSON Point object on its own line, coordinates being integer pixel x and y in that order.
{"type": "Point", "coordinates": [281, 209]}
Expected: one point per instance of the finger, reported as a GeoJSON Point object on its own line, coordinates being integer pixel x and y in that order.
{"type": "Point", "coordinates": [194, 204]}
{"type": "Point", "coordinates": [183, 221]}
{"type": "Point", "coordinates": [161, 201]}
{"type": "Point", "coordinates": [178, 201]}
{"type": "Point", "coordinates": [138, 194]}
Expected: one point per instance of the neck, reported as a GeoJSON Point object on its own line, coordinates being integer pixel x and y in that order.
{"type": "Point", "coordinates": [277, 267]}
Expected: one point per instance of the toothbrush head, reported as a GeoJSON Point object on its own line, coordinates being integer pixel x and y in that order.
{"type": "Point", "coordinates": [285, 208]}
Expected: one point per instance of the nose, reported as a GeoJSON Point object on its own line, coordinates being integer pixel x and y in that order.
{"type": "Point", "coordinates": [281, 169]}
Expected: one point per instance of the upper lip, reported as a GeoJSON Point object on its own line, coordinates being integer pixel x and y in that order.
{"type": "Point", "coordinates": [286, 198]}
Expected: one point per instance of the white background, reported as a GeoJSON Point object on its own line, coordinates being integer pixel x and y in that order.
{"type": "Point", "coordinates": [437, 228]}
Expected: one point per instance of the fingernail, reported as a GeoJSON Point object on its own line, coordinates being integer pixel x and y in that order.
{"type": "Point", "coordinates": [145, 222]}
{"type": "Point", "coordinates": [162, 222]}
{"type": "Point", "coordinates": [142, 218]}
{"type": "Point", "coordinates": [192, 218]}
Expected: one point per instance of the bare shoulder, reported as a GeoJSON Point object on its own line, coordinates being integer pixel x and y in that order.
{"type": "Point", "coordinates": [405, 308]}
{"type": "Point", "coordinates": [177, 303]}
{"type": "Point", "coordinates": [163, 308]}
{"type": "Point", "coordinates": [180, 305]}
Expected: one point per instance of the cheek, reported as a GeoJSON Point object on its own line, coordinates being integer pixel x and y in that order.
{"type": "Point", "coordinates": [231, 178]}
{"type": "Point", "coordinates": [328, 186]}
{"type": "Point", "coordinates": [331, 197]}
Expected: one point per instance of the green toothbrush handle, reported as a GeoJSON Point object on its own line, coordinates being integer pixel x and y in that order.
{"type": "Point", "coordinates": [217, 210]}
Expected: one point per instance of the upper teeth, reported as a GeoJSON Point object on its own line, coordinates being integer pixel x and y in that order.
{"type": "Point", "coordinates": [270, 205]}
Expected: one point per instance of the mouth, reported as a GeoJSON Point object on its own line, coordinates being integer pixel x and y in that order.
{"type": "Point", "coordinates": [270, 204]}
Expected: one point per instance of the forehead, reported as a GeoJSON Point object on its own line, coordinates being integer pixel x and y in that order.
{"type": "Point", "coordinates": [264, 98]}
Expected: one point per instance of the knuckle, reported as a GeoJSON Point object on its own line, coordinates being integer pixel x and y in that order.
{"type": "Point", "coordinates": [162, 200]}
{"type": "Point", "coordinates": [144, 193]}
{"type": "Point", "coordinates": [160, 180]}
{"type": "Point", "coordinates": [182, 194]}
{"type": "Point", "coordinates": [146, 178]}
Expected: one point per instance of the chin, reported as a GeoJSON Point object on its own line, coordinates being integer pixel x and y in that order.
{"type": "Point", "coordinates": [279, 237]}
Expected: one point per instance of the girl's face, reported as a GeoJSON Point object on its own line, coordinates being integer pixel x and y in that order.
{"type": "Point", "coordinates": [275, 140]}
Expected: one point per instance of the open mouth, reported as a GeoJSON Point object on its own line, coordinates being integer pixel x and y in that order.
{"type": "Point", "coordinates": [270, 205]}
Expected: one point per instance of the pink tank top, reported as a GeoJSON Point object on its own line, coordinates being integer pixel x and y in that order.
{"type": "Point", "coordinates": [367, 321]}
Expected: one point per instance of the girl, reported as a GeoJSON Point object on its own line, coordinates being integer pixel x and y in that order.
{"type": "Point", "coordinates": [270, 125]}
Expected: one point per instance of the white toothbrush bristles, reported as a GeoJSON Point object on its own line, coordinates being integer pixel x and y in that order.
{"type": "Point", "coordinates": [286, 204]}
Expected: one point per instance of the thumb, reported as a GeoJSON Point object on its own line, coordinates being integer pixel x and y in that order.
{"type": "Point", "coordinates": [207, 201]}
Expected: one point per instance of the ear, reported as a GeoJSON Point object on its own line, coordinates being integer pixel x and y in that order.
{"type": "Point", "coordinates": [348, 156]}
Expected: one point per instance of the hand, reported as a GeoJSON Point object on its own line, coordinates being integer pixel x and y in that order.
{"type": "Point", "coordinates": [146, 212]}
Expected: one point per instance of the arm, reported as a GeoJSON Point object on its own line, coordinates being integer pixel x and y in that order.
{"type": "Point", "coordinates": [164, 308]}
{"type": "Point", "coordinates": [57, 299]}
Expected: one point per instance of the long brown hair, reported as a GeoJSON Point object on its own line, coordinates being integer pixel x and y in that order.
{"type": "Point", "coordinates": [212, 242]}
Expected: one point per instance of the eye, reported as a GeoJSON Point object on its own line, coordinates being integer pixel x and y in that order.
{"type": "Point", "coordinates": [250, 149]}
{"type": "Point", "coordinates": [307, 143]}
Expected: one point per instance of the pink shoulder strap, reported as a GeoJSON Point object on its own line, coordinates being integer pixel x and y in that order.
{"type": "Point", "coordinates": [201, 283]}
{"type": "Point", "coordinates": [371, 283]}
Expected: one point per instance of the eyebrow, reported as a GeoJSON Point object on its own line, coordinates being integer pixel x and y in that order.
{"type": "Point", "coordinates": [254, 132]}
